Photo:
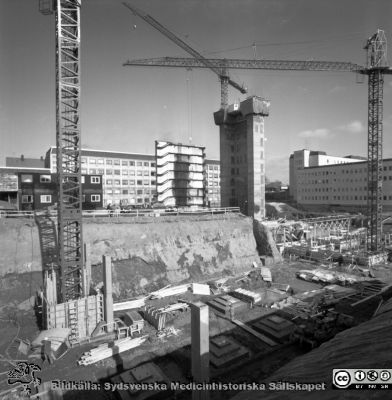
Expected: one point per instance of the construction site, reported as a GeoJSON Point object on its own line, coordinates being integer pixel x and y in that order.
{"type": "Point", "coordinates": [196, 302]}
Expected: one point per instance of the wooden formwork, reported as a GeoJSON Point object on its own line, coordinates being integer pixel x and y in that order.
{"type": "Point", "coordinates": [81, 315]}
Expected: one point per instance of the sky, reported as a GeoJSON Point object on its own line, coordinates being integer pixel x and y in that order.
{"type": "Point", "coordinates": [128, 108]}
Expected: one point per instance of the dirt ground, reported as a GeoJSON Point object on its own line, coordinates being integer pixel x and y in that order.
{"type": "Point", "coordinates": [172, 353]}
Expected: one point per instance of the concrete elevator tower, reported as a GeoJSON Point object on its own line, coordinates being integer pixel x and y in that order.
{"type": "Point", "coordinates": [242, 155]}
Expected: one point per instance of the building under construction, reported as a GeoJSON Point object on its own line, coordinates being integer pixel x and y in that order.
{"type": "Point", "coordinates": [242, 138]}
{"type": "Point", "coordinates": [180, 174]}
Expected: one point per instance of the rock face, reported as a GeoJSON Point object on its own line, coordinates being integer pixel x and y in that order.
{"type": "Point", "coordinates": [149, 253]}
{"type": "Point", "coordinates": [147, 257]}
{"type": "Point", "coordinates": [265, 243]}
{"type": "Point", "coordinates": [19, 246]}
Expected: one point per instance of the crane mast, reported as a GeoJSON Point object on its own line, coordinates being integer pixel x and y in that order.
{"type": "Point", "coordinates": [68, 143]}
{"type": "Point", "coordinates": [220, 71]}
{"type": "Point", "coordinates": [376, 67]}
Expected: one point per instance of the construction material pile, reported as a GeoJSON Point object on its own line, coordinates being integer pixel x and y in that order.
{"type": "Point", "coordinates": [107, 350]}
{"type": "Point", "coordinates": [330, 277]}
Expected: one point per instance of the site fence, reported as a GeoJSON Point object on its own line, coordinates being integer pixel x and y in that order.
{"type": "Point", "coordinates": [129, 213]}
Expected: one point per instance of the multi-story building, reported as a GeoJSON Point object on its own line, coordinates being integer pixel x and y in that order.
{"type": "Point", "coordinates": [212, 182]}
{"type": "Point", "coordinates": [130, 178]}
{"type": "Point", "coordinates": [317, 179]}
{"type": "Point", "coordinates": [36, 188]}
{"type": "Point", "coordinates": [180, 174]}
{"type": "Point", "coordinates": [127, 178]}
{"type": "Point", "coordinates": [242, 155]}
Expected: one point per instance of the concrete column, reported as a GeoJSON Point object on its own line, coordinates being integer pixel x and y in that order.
{"type": "Point", "coordinates": [108, 296]}
{"type": "Point", "coordinates": [200, 347]}
{"type": "Point", "coordinates": [87, 268]}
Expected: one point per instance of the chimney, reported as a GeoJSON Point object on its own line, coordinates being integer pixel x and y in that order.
{"type": "Point", "coordinates": [22, 157]}
{"type": "Point", "coordinates": [42, 158]}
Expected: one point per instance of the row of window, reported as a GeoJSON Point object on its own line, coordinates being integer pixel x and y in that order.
{"type": "Point", "coordinates": [343, 197]}
{"type": "Point", "coordinates": [126, 182]}
{"type": "Point", "coordinates": [130, 191]}
{"type": "Point", "coordinates": [348, 180]}
{"type": "Point", "coordinates": [28, 178]}
{"type": "Point", "coordinates": [47, 198]}
{"type": "Point", "coordinates": [123, 163]}
{"type": "Point", "coordinates": [118, 172]}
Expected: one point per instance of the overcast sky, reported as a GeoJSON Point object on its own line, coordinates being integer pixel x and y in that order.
{"type": "Point", "coordinates": [128, 108]}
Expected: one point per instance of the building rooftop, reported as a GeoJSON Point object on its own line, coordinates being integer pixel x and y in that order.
{"type": "Point", "coordinates": [23, 162]}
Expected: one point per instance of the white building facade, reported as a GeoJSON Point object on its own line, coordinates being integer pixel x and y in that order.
{"type": "Point", "coordinates": [130, 178]}
{"type": "Point", "coordinates": [317, 179]}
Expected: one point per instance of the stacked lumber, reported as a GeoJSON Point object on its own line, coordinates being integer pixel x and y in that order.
{"type": "Point", "coordinates": [247, 296]}
{"type": "Point", "coordinates": [107, 350]}
{"type": "Point", "coordinates": [130, 304]}
{"type": "Point", "coordinates": [169, 291]}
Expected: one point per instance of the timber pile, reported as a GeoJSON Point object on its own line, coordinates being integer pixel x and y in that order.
{"type": "Point", "coordinates": [169, 291]}
{"type": "Point", "coordinates": [107, 350]}
{"type": "Point", "coordinates": [247, 296]}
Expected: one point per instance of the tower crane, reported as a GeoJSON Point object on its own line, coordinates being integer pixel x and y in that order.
{"type": "Point", "coordinates": [220, 70]}
{"type": "Point", "coordinates": [375, 69]}
{"type": "Point", "coordinates": [69, 271]}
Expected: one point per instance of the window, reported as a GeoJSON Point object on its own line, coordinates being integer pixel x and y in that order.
{"type": "Point", "coordinates": [95, 179]}
{"type": "Point", "coordinates": [109, 172]}
{"type": "Point", "coordinates": [117, 182]}
{"type": "Point", "coordinates": [125, 182]}
{"type": "Point", "coordinates": [146, 183]}
{"type": "Point", "coordinates": [100, 161]}
{"type": "Point", "coordinates": [117, 191]}
{"type": "Point", "coordinates": [82, 180]}
{"type": "Point", "coordinates": [92, 161]}
{"type": "Point", "coordinates": [125, 172]}
{"type": "Point", "coordinates": [27, 198]}
{"type": "Point", "coordinates": [140, 200]}
{"type": "Point", "coordinates": [46, 198]}
{"type": "Point", "coordinates": [116, 162]}
{"type": "Point", "coordinates": [125, 191]}
{"type": "Point", "coordinates": [109, 162]}
{"type": "Point", "coordinates": [146, 164]}
{"type": "Point", "coordinates": [146, 173]}
{"type": "Point", "coordinates": [131, 182]}
{"type": "Point", "coordinates": [84, 160]}
{"type": "Point", "coordinates": [109, 182]}
{"type": "Point", "coordinates": [27, 178]}
{"type": "Point", "coordinates": [153, 182]}
{"type": "Point", "coordinates": [124, 163]}
{"type": "Point", "coordinates": [45, 178]}
{"type": "Point", "coordinates": [152, 173]}
{"type": "Point", "coordinates": [101, 171]}
{"type": "Point", "coordinates": [132, 173]}
{"type": "Point", "coordinates": [153, 165]}
{"type": "Point", "coordinates": [139, 173]}
{"type": "Point", "coordinates": [139, 164]}
{"type": "Point", "coordinates": [117, 172]}
{"type": "Point", "coordinates": [83, 198]}
{"type": "Point", "coordinates": [92, 171]}
{"type": "Point", "coordinates": [95, 198]}
{"type": "Point", "coordinates": [131, 163]}
{"type": "Point", "coordinates": [139, 182]}
{"type": "Point", "coordinates": [139, 191]}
